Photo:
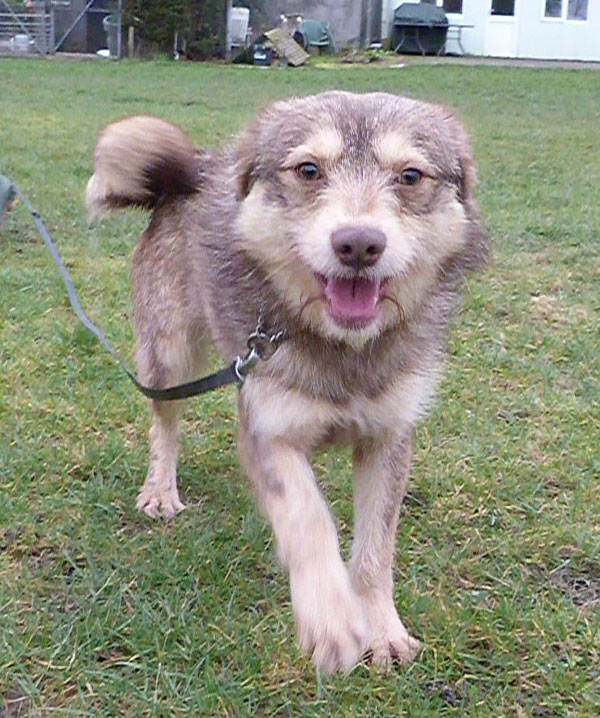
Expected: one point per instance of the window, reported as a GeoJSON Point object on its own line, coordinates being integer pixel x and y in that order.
{"type": "Point", "coordinates": [577, 10]}
{"type": "Point", "coordinates": [553, 8]}
{"type": "Point", "coordinates": [503, 7]}
{"type": "Point", "coordinates": [453, 6]}
{"type": "Point", "coordinates": [570, 10]}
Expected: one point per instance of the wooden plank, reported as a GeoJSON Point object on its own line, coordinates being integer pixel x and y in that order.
{"type": "Point", "coordinates": [285, 45]}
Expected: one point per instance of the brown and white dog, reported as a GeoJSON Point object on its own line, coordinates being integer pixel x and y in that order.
{"type": "Point", "coordinates": [349, 221]}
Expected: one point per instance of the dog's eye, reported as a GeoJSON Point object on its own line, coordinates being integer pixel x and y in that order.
{"type": "Point", "coordinates": [308, 171]}
{"type": "Point", "coordinates": [410, 176]}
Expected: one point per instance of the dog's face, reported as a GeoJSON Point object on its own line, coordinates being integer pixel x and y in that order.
{"type": "Point", "coordinates": [353, 204]}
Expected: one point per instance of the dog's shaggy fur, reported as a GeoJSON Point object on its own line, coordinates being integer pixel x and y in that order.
{"type": "Point", "coordinates": [348, 220]}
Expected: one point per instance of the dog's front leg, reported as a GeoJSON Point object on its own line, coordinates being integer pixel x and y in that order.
{"type": "Point", "coordinates": [330, 619]}
{"type": "Point", "coordinates": [381, 469]}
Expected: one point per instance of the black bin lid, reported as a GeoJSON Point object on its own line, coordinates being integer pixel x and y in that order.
{"type": "Point", "coordinates": [415, 13]}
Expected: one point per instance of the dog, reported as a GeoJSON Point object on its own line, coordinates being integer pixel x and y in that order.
{"type": "Point", "coordinates": [348, 221]}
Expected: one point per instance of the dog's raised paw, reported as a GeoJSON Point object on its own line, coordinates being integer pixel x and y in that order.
{"type": "Point", "coordinates": [154, 502]}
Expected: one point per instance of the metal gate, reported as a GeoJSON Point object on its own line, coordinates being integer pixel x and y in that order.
{"type": "Point", "coordinates": [49, 26]}
{"type": "Point", "coordinates": [28, 29]}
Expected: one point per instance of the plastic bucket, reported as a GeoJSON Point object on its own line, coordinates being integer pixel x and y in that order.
{"type": "Point", "coordinates": [21, 43]}
{"type": "Point", "coordinates": [111, 27]}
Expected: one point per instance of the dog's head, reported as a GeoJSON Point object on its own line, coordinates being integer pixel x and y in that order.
{"type": "Point", "coordinates": [354, 205]}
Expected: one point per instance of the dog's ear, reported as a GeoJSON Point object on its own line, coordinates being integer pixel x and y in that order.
{"type": "Point", "coordinates": [478, 240]}
{"type": "Point", "coordinates": [245, 165]}
{"type": "Point", "coordinates": [467, 172]}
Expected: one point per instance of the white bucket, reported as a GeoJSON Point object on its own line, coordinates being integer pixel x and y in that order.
{"type": "Point", "coordinates": [21, 43]}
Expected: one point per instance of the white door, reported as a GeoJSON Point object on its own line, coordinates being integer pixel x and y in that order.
{"type": "Point", "coordinates": [501, 30]}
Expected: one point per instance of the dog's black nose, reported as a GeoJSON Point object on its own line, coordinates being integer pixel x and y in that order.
{"type": "Point", "coordinates": [358, 246]}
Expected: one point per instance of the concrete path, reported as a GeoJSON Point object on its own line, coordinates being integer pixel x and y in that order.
{"type": "Point", "coordinates": [387, 60]}
{"type": "Point", "coordinates": [499, 62]}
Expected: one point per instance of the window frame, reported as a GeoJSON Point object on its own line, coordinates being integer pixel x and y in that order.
{"type": "Point", "coordinates": [564, 10]}
{"type": "Point", "coordinates": [550, 18]}
{"type": "Point", "coordinates": [440, 3]}
{"type": "Point", "coordinates": [501, 17]}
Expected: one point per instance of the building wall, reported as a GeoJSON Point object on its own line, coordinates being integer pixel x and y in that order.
{"type": "Point", "coordinates": [536, 36]}
{"type": "Point", "coordinates": [343, 16]}
{"type": "Point", "coordinates": [475, 12]}
{"type": "Point", "coordinates": [558, 39]}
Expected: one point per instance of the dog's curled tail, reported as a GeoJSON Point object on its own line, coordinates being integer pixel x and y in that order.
{"type": "Point", "coordinates": [138, 161]}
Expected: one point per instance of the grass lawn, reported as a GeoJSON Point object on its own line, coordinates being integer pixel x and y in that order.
{"type": "Point", "coordinates": [106, 613]}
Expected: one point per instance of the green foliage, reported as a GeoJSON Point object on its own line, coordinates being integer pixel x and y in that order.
{"type": "Point", "coordinates": [206, 37]}
{"type": "Point", "coordinates": [200, 24]}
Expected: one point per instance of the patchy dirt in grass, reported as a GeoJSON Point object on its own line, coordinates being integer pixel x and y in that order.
{"type": "Point", "coordinates": [548, 309]}
{"type": "Point", "coordinates": [452, 694]}
{"type": "Point", "coordinates": [13, 704]}
{"type": "Point", "coordinates": [511, 415]}
{"type": "Point", "coordinates": [7, 539]}
{"type": "Point", "coordinates": [580, 584]}
{"type": "Point", "coordinates": [551, 309]}
{"type": "Point", "coordinates": [582, 588]}
{"type": "Point", "coordinates": [535, 712]}
{"type": "Point", "coordinates": [414, 500]}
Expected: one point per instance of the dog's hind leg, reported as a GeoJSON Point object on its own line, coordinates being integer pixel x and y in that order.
{"type": "Point", "coordinates": [173, 365]}
{"type": "Point", "coordinates": [381, 475]}
{"type": "Point", "coordinates": [159, 493]}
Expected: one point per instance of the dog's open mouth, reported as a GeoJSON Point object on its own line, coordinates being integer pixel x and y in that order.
{"type": "Point", "coordinates": [353, 301]}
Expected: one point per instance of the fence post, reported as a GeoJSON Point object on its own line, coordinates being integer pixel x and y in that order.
{"type": "Point", "coordinates": [228, 30]}
{"type": "Point", "coordinates": [52, 33]}
{"type": "Point", "coordinates": [120, 29]}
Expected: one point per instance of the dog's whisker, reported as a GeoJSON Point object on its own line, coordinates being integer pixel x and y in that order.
{"type": "Point", "coordinates": [307, 303]}
{"type": "Point", "coordinates": [401, 314]}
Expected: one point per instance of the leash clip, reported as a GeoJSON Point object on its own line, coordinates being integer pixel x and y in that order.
{"type": "Point", "coordinates": [261, 347]}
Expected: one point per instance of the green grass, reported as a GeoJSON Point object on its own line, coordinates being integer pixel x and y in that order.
{"type": "Point", "coordinates": [106, 613]}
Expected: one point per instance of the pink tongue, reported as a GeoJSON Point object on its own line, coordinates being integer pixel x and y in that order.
{"type": "Point", "coordinates": [352, 299]}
